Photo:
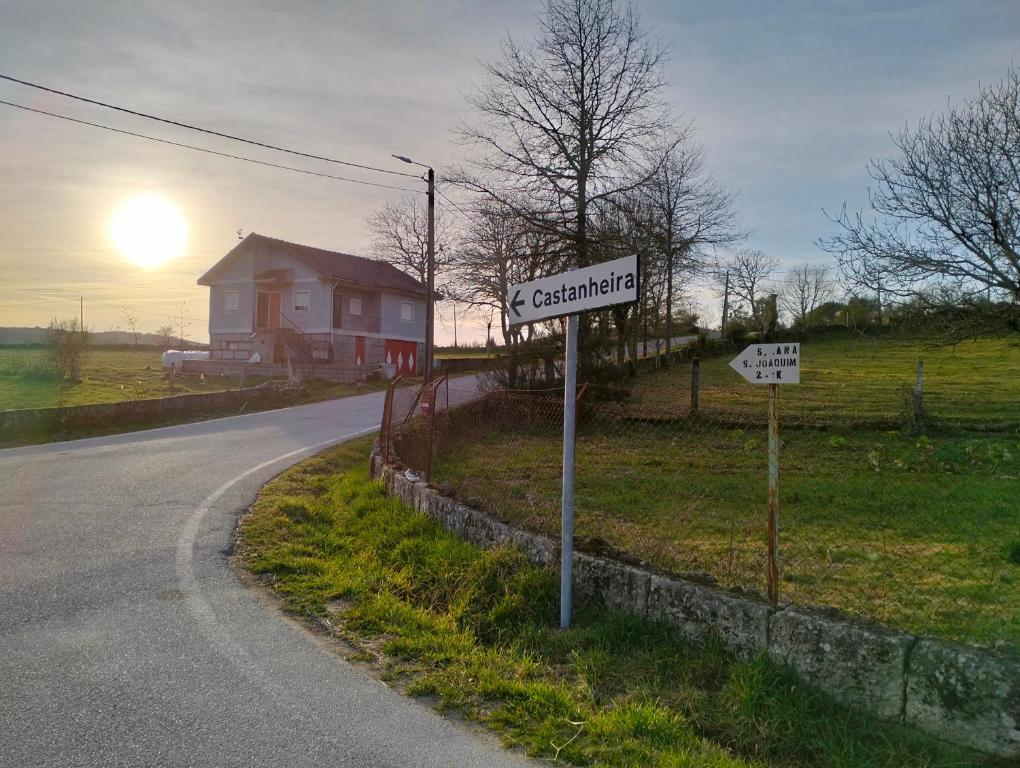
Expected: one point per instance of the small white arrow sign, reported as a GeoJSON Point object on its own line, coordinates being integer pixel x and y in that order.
{"type": "Point", "coordinates": [769, 363]}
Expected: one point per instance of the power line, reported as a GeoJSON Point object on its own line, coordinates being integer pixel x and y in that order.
{"type": "Point", "coordinates": [207, 151]}
{"type": "Point", "coordinates": [454, 205]}
{"type": "Point", "coordinates": [209, 131]}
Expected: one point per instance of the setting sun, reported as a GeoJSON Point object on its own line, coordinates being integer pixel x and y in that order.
{"type": "Point", "coordinates": [149, 230]}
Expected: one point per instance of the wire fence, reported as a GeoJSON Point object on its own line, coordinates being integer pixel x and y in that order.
{"type": "Point", "coordinates": [891, 508]}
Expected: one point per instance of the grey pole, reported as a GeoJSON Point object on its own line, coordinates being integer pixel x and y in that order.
{"type": "Point", "coordinates": [569, 427]}
{"type": "Point", "coordinates": [431, 278]}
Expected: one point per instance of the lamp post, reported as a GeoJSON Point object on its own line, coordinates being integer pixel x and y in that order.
{"type": "Point", "coordinates": [430, 271]}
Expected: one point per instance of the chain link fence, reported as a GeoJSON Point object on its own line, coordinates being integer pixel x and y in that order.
{"type": "Point", "coordinates": [892, 508]}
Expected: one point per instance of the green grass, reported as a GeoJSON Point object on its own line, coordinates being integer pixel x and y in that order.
{"type": "Point", "coordinates": [854, 379]}
{"type": "Point", "coordinates": [27, 379]}
{"type": "Point", "coordinates": [443, 353]}
{"type": "Point", "coordinates": [917, 532]}
{"type": "Point", "coordinates": [912, 532]}
{"type": "Point", "coordinates": [476, 632]}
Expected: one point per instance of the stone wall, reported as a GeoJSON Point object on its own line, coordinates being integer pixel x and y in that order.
{"type": "Point", "coordinates": [963, 694]}
{"type": "Point", "coordinates": [230, 346]}
{"type": "Point", "coordinates": [34, 423]}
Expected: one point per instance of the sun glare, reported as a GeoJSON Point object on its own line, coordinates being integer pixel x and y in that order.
{"type": "Point", "coordinates": [149, 230]}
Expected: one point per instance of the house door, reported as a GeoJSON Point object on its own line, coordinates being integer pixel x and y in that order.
{"type": "Point", "coordinates": [275, 306]}
{"type": "Point", "coordinates": [402, 354]}
{"type": "Point", "coordinates": [359, 351]}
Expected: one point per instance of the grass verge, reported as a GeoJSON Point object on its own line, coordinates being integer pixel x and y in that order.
{"type": "Point", "coordinates": [475, 631]}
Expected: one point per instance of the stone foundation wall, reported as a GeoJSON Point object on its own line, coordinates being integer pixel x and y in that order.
{"type": "Point", "coordinates": [963, 694]}
{"type": "Point", "coordinates": [230, 346]}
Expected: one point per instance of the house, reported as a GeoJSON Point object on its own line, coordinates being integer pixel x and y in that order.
{"type": "Point", "coordinates": [332, 312]}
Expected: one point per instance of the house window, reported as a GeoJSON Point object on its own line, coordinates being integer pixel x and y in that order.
{"type": "Point", "coordinates": [407, 311]}
{"type": "Point", "coordinates": [355, 308]}
{"type": "Point", "coordinates": [231, 301]}
{"type": "Point", "coordinates": [301, 300]}
{"type": "Point", "coordinates": [262, 311]}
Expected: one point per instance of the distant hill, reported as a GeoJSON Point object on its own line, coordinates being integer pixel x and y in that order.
{"type": "Point", "coordinates": [21, 336]}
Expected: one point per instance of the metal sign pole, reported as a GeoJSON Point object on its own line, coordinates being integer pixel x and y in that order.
{"type": "Point", "coordinates": [773, 573]}
{"type": "Point", "coordinates": [567, 523]}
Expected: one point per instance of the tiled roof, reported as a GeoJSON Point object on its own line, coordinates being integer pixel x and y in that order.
{"type": "Point", "coordinates": [336, 265]}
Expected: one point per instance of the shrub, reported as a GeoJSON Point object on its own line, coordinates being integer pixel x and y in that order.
{"type": "Point", "coordinates": [67, 343]}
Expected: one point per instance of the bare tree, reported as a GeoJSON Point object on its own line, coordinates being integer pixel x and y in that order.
{"type": "Point", "coordinates": [691, 212]}
{"type": "Point", "coordinates": [499, 249]}
{"type": "Point", "coordinates": [165, 335]}
{"type": "Point", "coordinates": [563, 124]}
{"type": "Point", "coordinates": [130, 319]}
{"type": "Point", "coordinates": [947, 205]}
{"type": "Point", "coordinates": [749, 272]}
{"type": "Point", "coordinates": [400, 231]}
{"type": "Point", "coordinates": [805, 289]}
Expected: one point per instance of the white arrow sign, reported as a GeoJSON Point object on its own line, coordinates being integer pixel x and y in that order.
{"type": "Point", "coordinates": [769, 363]}
{"type": "Point", "coordinates": [581, 290]}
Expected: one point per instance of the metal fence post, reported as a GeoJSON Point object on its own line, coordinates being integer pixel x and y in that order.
{"type": "Point", "coordinates": [695, 384]}
{"type": "Point", "coordinates": [918, 381]}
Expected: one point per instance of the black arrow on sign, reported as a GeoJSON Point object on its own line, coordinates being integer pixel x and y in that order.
{"type": "Point", "coordinates": [517, 302]}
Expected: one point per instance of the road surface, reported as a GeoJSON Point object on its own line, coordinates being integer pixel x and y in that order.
{"type": "Point", "coordinates": [127, 640]}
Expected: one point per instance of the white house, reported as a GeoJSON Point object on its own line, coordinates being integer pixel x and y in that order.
{"type": "Point", "coordinates": [314, 307]}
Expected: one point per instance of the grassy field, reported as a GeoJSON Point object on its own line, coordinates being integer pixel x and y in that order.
{"type": "Point", "coordinates": [921, 532]}
{"type": "Point", "coordinates": [108, 375]}
{"type": "Point", "coordinates": [443, 353]}
{"type": "Point", "coordinates": [475, 632]}
{"type": "Point", "coordinates": [854, 378]}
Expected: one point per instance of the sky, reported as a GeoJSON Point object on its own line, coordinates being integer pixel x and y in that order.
{"type": "Point", "coordinates": [790, 99]}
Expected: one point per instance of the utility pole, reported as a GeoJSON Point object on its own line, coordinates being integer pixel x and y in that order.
{"type": "Point", "coordinates": [430, 270]}
{"type": "Point", "coordinates": [454, 325]}
{"type": "Point", "coordinates": [431, 278]}
{"type": "Point", "coordinates": [725, 305]}
{"type": "Point", "coordinates": [81, 311]}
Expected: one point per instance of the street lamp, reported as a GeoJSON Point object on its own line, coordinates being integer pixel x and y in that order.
{"type": "Point", "coordinates": [430, 270]}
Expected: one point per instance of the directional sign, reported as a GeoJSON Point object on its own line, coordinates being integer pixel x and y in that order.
{"type": "Point", "coordinates": [769, 363]}
{"type": "Point", "coordinates": [581, 290]}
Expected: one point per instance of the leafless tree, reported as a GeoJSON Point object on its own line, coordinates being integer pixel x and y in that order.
{"type": "Point", "coordinates": [165, 335]}
{"type": "Point", "coordinates": [690, 213]}
{"type": "Point", "coordinates": [499, 249]}
{"type": "Point", "coordinates": [68, 342]}
{"type": "Point", "coordinates": [563, 124]}
{"type": "Point", "coordinates": [805, 289]}
{"type": "Point", "coordinates": [947, 205]}
{"type": "Point", "coordinates": [400, 232]}
{"type": "Point", "coordinates": [131, 320]}
{"type": "Point", "coordinates": [750, 271]}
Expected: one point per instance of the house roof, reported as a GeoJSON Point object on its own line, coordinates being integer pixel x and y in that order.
{"type": "Point", "coordinates": [346, 267]}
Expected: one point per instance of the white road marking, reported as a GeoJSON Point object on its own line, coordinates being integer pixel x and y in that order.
{"type": "Point", "coordinates": [188, 584]}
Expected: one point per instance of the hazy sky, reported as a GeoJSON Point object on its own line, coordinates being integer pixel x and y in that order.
{"type": "Point", "coordinates": [791, 99]}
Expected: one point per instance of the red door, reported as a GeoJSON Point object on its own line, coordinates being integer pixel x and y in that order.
{"type": "Point", "coordinates": [275, 305]}
{"type": "Point", "coordinates": [404, 355]}
{"type": "Point", "coordinates": [359, 351]}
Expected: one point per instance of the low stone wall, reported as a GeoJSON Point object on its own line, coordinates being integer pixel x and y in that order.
{"type": "Point", "coordinates": [966, 695]}
{"type": "Point", "coordinates": [30, 423]}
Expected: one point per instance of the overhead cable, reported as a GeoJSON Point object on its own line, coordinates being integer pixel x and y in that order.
{"type": "Point", "coordinates": [209, 131]}
{"type": "Point", "coordinates": [207, 151]}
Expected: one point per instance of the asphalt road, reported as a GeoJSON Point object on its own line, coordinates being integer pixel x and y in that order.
{"type": "Point", "coordinates": [127, 640]}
